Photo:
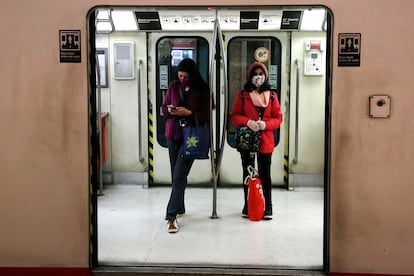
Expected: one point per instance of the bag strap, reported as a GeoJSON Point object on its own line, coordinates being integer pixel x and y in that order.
{"type": "Point", "coordinates": [242, 99]}
{"type": "Point", "coordinates": [262, 110]}
{"type": "Point", "coordinates": [180, 90]}
{"type": "Point", "coordinates": [252, 171]}
{"type": "Point", "coordinates": [182, 99]}
{"type": "Point", "coordinates": [253, 174]}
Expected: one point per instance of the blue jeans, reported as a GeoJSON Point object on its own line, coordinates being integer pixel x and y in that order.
{"type": "Point", "coordinates": [180, 168]}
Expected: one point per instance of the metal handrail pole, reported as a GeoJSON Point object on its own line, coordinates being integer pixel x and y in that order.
{"type": "Point", "coordinates": [140, 156]}
{"type": "Point", "coordinates": [223, 136]}
{"type": "Point", "coordinates": [296, 158]}
{"type": "Point", "coordinates": [98, 86]}
{"type": "Point", "coordinates": [212, 158]}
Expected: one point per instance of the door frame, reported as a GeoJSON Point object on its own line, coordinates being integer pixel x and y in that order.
{"type": "Point", "coordinates": [93, 154]}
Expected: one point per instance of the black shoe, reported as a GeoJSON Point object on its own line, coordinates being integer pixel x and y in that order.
{"type": "Point", "coordinates": [244, 213]}
{"type": "Point", "coordinates": [268, 214]}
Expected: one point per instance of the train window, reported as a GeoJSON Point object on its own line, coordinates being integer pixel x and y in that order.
{"type": "Point", "coordinates": [241, 52]}
{"type": "Point", "coordinates": [170, 51]}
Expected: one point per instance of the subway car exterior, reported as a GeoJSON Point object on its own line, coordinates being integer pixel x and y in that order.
{"type": "Point", "coordinates": [55, 96]}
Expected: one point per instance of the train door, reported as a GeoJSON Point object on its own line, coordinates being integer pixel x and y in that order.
{"type": "Point", "coordinates": [244, 48]}
{"type": "Point", "coordinates": [166, 51]}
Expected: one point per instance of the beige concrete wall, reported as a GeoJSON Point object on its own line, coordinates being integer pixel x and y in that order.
{"type": "Point", "coordinates": [44, 198]}
{"type": "Point", "coordinates": [44, 138]}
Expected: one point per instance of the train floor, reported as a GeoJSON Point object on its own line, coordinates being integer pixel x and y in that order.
{"type": "Point", "coordinates": [132, 230]}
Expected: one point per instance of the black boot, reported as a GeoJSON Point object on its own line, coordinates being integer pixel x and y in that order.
{"type": "Point", "coordinates": [268, 214]}
{"type": "Point", "coordinates": [244, 211]}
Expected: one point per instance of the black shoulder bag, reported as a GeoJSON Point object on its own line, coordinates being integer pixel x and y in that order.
{"type": "Point", "coordinates": [247, 139]}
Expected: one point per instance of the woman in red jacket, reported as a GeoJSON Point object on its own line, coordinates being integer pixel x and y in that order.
{"type": "Point", "coordinates": [261, 112]}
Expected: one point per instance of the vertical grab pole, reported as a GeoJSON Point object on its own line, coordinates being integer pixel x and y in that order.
{"type": "Point", "coordinates": [212, 154]}
{"type": "Point", "coordinates": [220, 156]}
{"type": "Point", "coordinates": [140, 156]}
{"type": "Point", "coordinates": [98, 75]}
{"type": "Point", "coordinates": [216, 162]}
{"type": "Point", "coordinates": [296, 158]}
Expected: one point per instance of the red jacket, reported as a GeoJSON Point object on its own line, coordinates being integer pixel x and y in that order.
{"type": "Point", "coordinates": [272, 116]}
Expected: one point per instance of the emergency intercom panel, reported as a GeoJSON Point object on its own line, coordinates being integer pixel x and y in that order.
{"type": "Point", "coordinates": [314, 65]}
{"type": "Point", "coordinates": [379, 106]}
{"type": "Point", "coordinates": [124, 60]}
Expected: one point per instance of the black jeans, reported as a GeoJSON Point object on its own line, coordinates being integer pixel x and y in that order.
{"type": "Point", "coordinates": [263, 164]}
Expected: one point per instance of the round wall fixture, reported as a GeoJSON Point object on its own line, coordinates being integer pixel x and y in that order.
{"type": "Point", "coordinates": [262, 54]}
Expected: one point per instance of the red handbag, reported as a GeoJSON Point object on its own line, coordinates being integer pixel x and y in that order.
{"type": "Point", "coordinates": [255, 198]}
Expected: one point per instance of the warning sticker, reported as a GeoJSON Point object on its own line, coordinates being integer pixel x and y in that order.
{"type": "Point", "coordinates": [70, 45]}
{"type": "Point", "coordinates": [349, 49]}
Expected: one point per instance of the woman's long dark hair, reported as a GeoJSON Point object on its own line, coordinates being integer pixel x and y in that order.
{"type": "Point", "coordinates": [197, 83]}
{"type": "Point", "coordinates": [249, 86]}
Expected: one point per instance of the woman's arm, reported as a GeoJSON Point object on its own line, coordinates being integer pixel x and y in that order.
{"type": "Point", "coordinates": [276, 115]}
{"type": "Point", "coordinates": [166, 102]}
{"type": "Point", "coordinates": [237, 116]}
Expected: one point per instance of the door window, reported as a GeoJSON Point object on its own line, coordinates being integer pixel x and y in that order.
{"type": "Point", "coordinates": [170, 51]}
{"type": "Point", "coordinates": [242, 51]}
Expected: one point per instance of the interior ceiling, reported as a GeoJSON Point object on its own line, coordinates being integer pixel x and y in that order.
{"type": "Point", "coordinates": [299, 19]}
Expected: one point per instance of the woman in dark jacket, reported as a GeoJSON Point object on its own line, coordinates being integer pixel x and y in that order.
{"type": "Point", "coordinates": [261, 112]}
{"type": "Point", "coordinates": [188, 96]}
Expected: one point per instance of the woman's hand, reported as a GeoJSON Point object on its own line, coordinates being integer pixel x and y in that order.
{"type": "Point", "coordinates": [179, 111]}
{"type": "Point", "coordinates": [262, 124]}
{"type": "Point", "coordinates": [253, 125]}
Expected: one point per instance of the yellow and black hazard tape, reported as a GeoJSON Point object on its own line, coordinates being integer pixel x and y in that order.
{"type": "Point", "coordinates": [150, 149]}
